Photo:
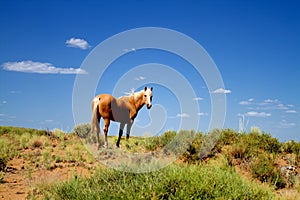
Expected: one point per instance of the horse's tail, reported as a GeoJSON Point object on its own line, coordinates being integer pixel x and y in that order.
{"type": "Point", "coordinates": [95, 115]}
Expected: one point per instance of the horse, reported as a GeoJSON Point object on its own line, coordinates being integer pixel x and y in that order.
{"type": "Point", "coordinates": [123, 110]}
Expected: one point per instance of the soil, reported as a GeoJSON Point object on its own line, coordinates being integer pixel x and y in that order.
{"type": "Point", "coordinates": [22, 178]}
{"type": "Point", "coordinates": [19, 183]}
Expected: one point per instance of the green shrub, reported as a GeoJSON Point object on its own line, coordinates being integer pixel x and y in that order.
{"type": "Point", "coordinates": [85, 133]}
{"type": "Point", "coordinates": [166, 138]}
{"type": "Point", "coordinates": [172, 182]}
{"type": "Point", "coordinates": [5, 152]}
{"type": "Point", "coordinates": [239, 150]}
{"type": "Point", "coordinates": [59, 134]}
{"type": "Point", "coordinates": [269, 143]}
{"type": "Point", "coordinates": [191, 155]}
{"type": "Point", "coordinates": [252, 144]}
{"type": "Point", "coordinates": [24, 140]}
{"type": "Point", "coordinates": [82, 130]}
{"type": "Point", "coordinates": [291, 147]}
{"type": "Point", "coordinates": [263, 169]}
{"type": "Point", "coordinates": [152, 143]}
{"type": "Point", "coordinates": [4, 130]}
{"type": "Point", "coordinates": [227, 137]}
{"type": "Point", "coordinates": [210, 145]}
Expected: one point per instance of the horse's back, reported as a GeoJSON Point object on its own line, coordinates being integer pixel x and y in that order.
{"type": "Point", "coordinates": [112, 108]}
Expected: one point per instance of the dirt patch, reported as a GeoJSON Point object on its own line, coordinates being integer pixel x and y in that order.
{"type": "Point", "coordinates": [19, 181]}
{"type": "Point", "coordinates": [14, 184]}
{"type": "Point", "coordinates": [43, 164]}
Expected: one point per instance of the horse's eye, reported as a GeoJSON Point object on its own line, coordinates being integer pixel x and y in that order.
{"type": "Point", "coordinates": [145, 95]}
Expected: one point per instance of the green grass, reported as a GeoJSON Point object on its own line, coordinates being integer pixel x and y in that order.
{"type": "Point", "coordinates": [173, 182]}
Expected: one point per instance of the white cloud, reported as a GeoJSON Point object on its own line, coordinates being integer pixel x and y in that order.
{"type": "Point", "coordinates": [183, 115]}
{"type": "Point", "coordinates": [198, 99]}
{"type": "Point", "coordinates": [285, 124]}
{"type": "Point", "coordinates": [4, 102]}
{"type": "Point", "coordinates": [39, 67]}
{"type": "Point", "coordinates": [77, 43]}
{"type": "Point", "coordinates": [221, 91]}
{"type": "Point", "coordinates": [1, 114]}
{"type": "Point", "coordinates": [267, 104]}
{"type": "Point", "coordinates": [257, 114]}
{"type": "Point", "coordinates": [282, 107]}
{"type": "Point", "coordinates": [244, 103]}
{"type": "Point", "coordinates": [140, 78]}
{"type": "Point", "coordinates": [291, 111]}
{"type": "Point", "coordinates": [49, 120]}
{"type": "Point", "coordinates": [129, 93]}
{"type": "Point", "coordinates": [202, 114]}
{"type": "Point", "coordinates": [130, 50]}
{"type": "Point", "coordinates": [271, 101]}
{"type": "Point", "coordinates": [15, 92]}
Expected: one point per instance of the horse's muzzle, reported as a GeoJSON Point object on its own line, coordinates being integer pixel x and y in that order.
{"type": "Point", "coordinates": [149, 106]}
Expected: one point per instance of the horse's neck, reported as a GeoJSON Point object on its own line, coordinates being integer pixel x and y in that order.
{"type": "Point", "coordinates": [138, 101]}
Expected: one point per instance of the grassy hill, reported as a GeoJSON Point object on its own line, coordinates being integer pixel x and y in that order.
{"type": "Point", "coordinates": [223, 164]}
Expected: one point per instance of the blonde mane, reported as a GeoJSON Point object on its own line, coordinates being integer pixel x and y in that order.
{"type": "Point", "coordinates": [137, 95]}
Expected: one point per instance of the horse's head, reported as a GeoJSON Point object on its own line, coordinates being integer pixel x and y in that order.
{"type": "Point", "coordinates": [147, 98]}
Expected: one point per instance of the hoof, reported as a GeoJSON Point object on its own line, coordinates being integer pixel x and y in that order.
{"type": "Point", "coordinates": [117, 145]}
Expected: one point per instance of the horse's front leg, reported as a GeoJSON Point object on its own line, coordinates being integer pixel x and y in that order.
{"type": "Point", "coordinates": [120, 134]}
{"type": "Point", "coordinates": [105, 130]}
{"type": "Point", "coordinates": [128, 129]}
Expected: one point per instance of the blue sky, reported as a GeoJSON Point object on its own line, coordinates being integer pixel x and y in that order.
{"type": "Point", "coordinates": [254, 44]}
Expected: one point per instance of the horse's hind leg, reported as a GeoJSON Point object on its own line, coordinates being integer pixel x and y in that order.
{"type": "Point", "coordinates": [98, 138]}
{"type": "Point", "coordinates": [105, 130]}
{"type": "Point", "coordinates": [97, 132]}
{"type": "Point", "coordinates": [120, 134]}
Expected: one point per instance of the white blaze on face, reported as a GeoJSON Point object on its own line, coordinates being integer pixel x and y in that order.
{"type": "Point", "coordinates": [148, 96]}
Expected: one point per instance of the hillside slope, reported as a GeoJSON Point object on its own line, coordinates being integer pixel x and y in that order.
{"type": "Point", "coordinates": [222, 164]}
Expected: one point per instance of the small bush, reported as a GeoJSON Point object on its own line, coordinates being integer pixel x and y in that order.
{"type": "Point", "coordinates": [239, 150]}
{"type": "Point", "coordinates": [210, 145]}
{"type": "Point", "coordinates": [291, 147]}
{"type": "Point", "coordinates": [82, 130]}
{"type": "Point", "coordinates": [269, 143]}
{"type": "Point", "coordinates": [166, 138]}
{"type": "Point", "coordinates": [263, 169]}
{"type": "Point", "coordinates": [6, 153]}
{"type": "Point", "coordinates": [228, 136]}
{"type": "Point", "coordinates": [152, 143]}
{"type": "Point", "coordinates": [192, 153]}
{"type": "Point", "coordinates": [37, 144]}
{"type": "Point", "coordinates": [59, 134]}
{"type": "Point", "coordinates": [24, 140]}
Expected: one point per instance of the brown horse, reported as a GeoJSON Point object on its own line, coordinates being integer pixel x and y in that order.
{"type": "Point", "coordinates": [123, 110]}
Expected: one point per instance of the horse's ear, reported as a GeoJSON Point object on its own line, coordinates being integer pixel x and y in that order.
{"type": "Point", "coordinates": [145, 88]}
{"type": "Point", "coordinates": [151, 88]}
